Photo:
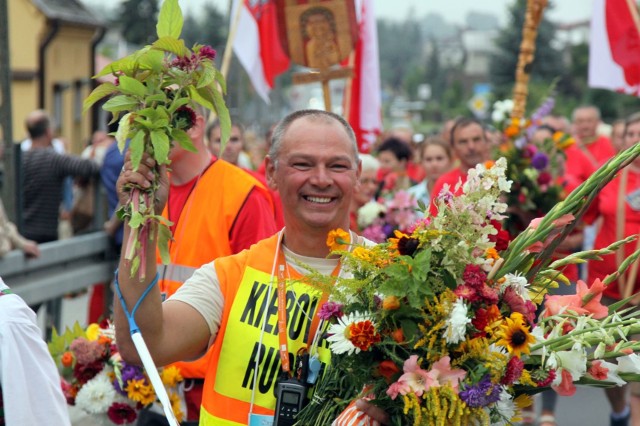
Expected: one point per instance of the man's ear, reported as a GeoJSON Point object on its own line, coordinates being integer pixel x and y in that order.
{"type": "Point", "coordinates": [270, 171]}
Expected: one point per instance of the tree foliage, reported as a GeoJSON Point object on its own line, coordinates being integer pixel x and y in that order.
{"type": "Point", "coordinates": [137, 21]}
{"type": "Point", "coordinates": [547, 65]}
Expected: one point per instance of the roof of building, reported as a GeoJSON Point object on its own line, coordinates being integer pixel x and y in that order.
{"type": "Point", "coordinates": [71, 11]}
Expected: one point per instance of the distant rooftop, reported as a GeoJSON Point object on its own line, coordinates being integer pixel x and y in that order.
{"type": "Point", "coordinates": [71, 11]}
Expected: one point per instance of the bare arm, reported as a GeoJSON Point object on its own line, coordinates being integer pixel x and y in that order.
{"type": "Point", "coordinates": [172, 331]}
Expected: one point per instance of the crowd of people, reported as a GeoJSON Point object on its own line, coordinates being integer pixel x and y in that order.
{"type": "Point", "coordinates": [242, 221]}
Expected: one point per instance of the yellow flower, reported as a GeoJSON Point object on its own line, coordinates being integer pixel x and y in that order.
{"type": "Point", "coordinates": [176, 406]}
{"type": "Point", "coordinates": [514, 335]}
{"type": "Point", "coordinates": [171, 376]}
{"type": "Point", "coordinates": [93, 331]}
{"type": "Point", "coordinates": [140, 391]}
{"type": "Point", "coordinates": [362, 253]}
{"type": "Point", "coordinates": [338, 239]}
{"type": "Point", "coordinates": [563, 140]}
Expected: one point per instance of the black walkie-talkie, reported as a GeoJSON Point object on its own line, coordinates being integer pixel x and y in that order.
{"type": "Point", "coordinates": [290, 397]}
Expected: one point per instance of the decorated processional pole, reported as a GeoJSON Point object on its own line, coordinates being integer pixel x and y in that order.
{"type": "Point", "coordinates": [318, 35]}
{"type": "Point", "coordinates": [533, 17]}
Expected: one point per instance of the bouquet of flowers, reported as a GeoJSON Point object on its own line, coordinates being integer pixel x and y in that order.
{"type": "Point", "coordinates": [99, 383]}
{"type": "Point", "coordinates": [534, 167]}
{"type": "Point", "coordinates": [379, 219]}
{"type": "Point", "coordinates": [438, 326]}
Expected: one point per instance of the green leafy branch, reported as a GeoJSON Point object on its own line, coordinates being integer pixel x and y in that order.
{"type": "Point", "coordinates": [155, 91]}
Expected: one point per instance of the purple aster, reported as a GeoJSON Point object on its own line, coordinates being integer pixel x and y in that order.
{"type": "Point", "coordinates": [128, 372]}
{"type": "Point", "coordinates": [540, 160]}
{"type": "Point", "coordinates": [330, 310]}
{"type": "Point", "coordinates": [481, 394]}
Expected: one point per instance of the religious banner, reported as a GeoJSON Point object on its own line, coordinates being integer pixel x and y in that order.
{"type": "Point", "coordinates": [317, 34]}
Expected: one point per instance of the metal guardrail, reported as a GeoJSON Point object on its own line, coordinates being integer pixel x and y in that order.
{"type": "Point", "coordinates": [64, 267]}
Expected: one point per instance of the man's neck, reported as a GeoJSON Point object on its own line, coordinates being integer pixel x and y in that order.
{"type": "Point", "coordinates": [189, 166]}
{"type": "Point", "coordinates": [42, 142]}
{"type": "Point", "coordinates": [588, 140]}
{"type": "Point", "coordinates": [310, 243]}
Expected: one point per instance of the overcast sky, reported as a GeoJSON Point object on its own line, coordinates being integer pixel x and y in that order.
{"type": "Point", "coordinates": [453, 11]}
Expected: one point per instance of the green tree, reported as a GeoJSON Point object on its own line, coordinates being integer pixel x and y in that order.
{"type": "Point", "coordinates": [137, 21]}
{"type": "Point", "coordinates": [547, 65]}
{"type": "Point", "coordinates": [399, 45]}
{"type": "Point", "coordinates": [210, 27]}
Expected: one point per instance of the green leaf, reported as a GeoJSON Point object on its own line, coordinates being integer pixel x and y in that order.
{"type": "Point", "coordinates": [152, 59]}
{"type": "Point", "coordinates": [220, 79]}
{"type": "Point", "coordinates": [123, 131]}
{"type": "Point", "coordinates": [136, 220]}
{"type": "Point", "coordinates": [120, 103]}
{"type": "Point", "coordinates": [164, 236]}
{"type": "Point", "coordinates": [169, 19]}
{"type": "Point", "coordinates": [207, 77]}
{"type": "Point", "coordinates": [105, 89]}
{"type": "Point", "coordinates": [158, 97]}
{"type": "Point", "coordinates": [177, 104]}
{"type": "Point", "coordinates": [183, 140]}
{"type": "Point", "coordinates": [137, 148]}
{"type": "Point", "coordinates": [131, 86]}
{"type": "Point", "coordinates": [124, 64]}
{"type": "Point", "coordinates": [172, 45]}
{"type": "Point", "coordinates": [223, 117]}
{"type": "Point", "coordinates": [161, 146]}
{"type": "Point", "coordinates": [199, 99]}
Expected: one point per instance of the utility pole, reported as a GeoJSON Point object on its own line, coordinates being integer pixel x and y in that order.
{"type": "Point", "coordinates": [6, 132]}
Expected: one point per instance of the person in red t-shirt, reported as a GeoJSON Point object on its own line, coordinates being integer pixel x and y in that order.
{"type": "Point", "coordinates": [471, 147]}
{"type": "Point", "coordinates": [618, 206]}
{"type": "Point", "coordinates": [597, 148]}
{"type": "Point", "coordinates": [231, 154]}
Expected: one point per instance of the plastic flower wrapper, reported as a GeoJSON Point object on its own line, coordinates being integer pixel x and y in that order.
{"type": "Point", "coordinates": [153, 98]}
{"type": "Point", "coordinates": [437, 326]}
{"type": "Point", "coordinates": [98, 382]}
{"type": "Point", "coordinates": [536, 168]}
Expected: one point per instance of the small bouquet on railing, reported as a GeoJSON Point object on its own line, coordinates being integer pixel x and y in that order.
{"type": "Point", "coordinates": [155, 91]}
{"type": "Point", "coordinates": [98, 383]}
{"type": "Point", "coordinates": [438, 326]}
{"type": "Point", "coordinates": [535, 167]}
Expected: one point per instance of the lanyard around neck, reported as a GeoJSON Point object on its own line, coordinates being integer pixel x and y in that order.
{"type": "Point", "coordinates": [282, 313]}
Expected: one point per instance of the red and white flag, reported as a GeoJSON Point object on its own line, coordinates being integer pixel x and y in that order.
{"type": "Point", "coordinates": [614, 52]}
{"type": "Point", "coordinates": [365, 115]}
{"type": "Point", "coordinates": [257, 45]}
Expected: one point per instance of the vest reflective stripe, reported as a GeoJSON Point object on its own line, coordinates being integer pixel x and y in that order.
{"type": "Point", "coordinates": [207, 419]}
{"type": "Point", "coordinates": [175, 272]}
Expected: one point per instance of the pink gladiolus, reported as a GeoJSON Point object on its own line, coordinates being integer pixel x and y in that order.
{"type": "Point", "coordinates": [566, 387]}
{"type": "Point", "coordinates": [414, 378]}
{"type": "Point", "coordinates": [586, 301]}
{"type": "Point", "coordinates": [558, 223]}
{"type": "Point", "coordinates": [442, 374]}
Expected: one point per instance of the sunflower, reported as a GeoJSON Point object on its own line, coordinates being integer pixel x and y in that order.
{"type": "Point", "coordinates": [514, 335]}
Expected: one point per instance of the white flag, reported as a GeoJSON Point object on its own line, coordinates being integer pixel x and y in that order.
{"type": "Point", "coordinates": [614, 49]}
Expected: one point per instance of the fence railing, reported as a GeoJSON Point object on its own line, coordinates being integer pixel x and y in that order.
{"type": "Point", "coordinates": [64, 267]}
